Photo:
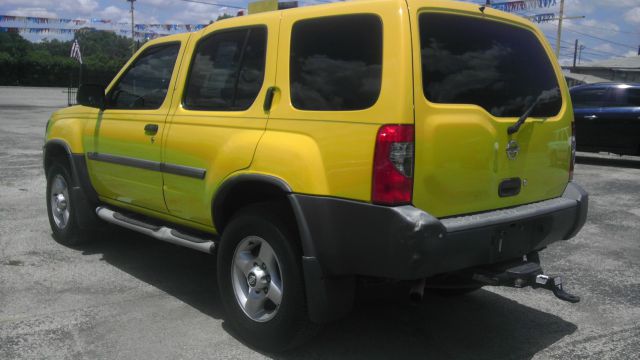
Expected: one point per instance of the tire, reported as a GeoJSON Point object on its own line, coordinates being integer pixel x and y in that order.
{"type": "Point", "coordinates": [249, 291]}
{"type": "Point", "coordinates": [63, 217]}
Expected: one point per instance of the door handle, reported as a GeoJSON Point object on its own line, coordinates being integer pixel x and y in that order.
{"type": "Point", "coordinates": [151, 129]}
{"type": "Point", "coordinates": [590, 117]}
{"type": "Point", "coordinates": [268, 98]}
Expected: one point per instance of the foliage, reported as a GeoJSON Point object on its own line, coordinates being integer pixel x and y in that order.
{"type": "Point", "coordinates": [48, 63]}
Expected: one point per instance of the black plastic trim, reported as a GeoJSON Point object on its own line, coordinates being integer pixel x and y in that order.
{"type": "Point", "coordinates": [125, 160]}
{"type": "Point", "coordinates": [218, 202]}
{"type": "Point", "coordinates": [490, 218]}
{"type": "Point", "coordinates": [187, 237]}
{"type": "Point", "coordinates": [357, 238]}
{"type": "Point", "coordinates": [328, 299]}
{"type": "Point", "coordinates": [135, 222]}
{"type": "Point", "coordinates": [84, 194]}
{"type": "Point", "coordinates": [174, 169]}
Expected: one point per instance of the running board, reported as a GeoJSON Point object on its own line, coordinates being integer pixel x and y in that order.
{"type": "Point", "coordinates": [157, 231]}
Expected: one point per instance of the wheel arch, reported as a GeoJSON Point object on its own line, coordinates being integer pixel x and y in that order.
{"type": "Point", "coordinates": [57, 149]}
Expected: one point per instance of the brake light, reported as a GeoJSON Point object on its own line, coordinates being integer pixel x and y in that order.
{"type": "Point", "coordinates": [392, 182]}
{"type": "Point", "coordinates": [573, 149]}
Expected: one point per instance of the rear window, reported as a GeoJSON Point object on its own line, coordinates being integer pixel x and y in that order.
{"type": "Point", "coordinates": [336, 62]}
{"type": "Point", "coordinates": [497, 66]}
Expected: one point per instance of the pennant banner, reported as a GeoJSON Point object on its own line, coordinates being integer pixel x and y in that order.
{"type": "Point", "coordinates": [543, 18]}
{"type": "Point", "coordinates": [513, 6]}
{"type": "Point", "coordinates": [20, 24]}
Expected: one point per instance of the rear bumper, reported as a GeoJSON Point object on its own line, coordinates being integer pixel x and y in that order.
{"type": "Point", "coordinates": [342, 237]}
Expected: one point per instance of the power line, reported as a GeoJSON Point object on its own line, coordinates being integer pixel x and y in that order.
{"type": "Point", "coordinates": [597, 50]}
{"type": "Point", "coordinates": [603, 28]}
{"type": "Point", "coordinates": [601, 39]}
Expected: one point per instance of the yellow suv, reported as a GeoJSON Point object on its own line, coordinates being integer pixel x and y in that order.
{"type": "Point", "coordinates": [424, 141]}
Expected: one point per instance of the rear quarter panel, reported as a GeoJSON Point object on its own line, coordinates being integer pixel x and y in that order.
{"type": "Point", "coordinates": [331, 152]}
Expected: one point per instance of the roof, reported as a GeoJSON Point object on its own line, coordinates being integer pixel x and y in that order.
{"type": "Point", "coordinates": [631, 62]}
{"type": "Point", "coordinates": [608, 85]}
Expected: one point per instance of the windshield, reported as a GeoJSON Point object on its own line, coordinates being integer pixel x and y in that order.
{"type": "Point", "coordinates": [499, 67]}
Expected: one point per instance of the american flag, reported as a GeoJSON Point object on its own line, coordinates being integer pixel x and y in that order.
{"type": "Point", "coordinates": [75, 51]}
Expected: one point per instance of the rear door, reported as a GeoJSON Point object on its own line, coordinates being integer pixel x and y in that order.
{"type": "Point", "coordinates": [475, 75]}
{"type": "Point", "coordinates": [219, 114]}
{"type": "Point", "coordinates": [587, 107]}
{"type": "Point", "coordinates": [619, 121]}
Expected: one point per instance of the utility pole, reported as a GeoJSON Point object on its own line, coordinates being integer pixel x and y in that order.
{"type": "Point", "coordinates": [133, 31]}
{"type": "Point", "coordinates": [575, 53]}
{"type": "Point", "coordinates": [580, 48]}
{"type": "Point", "coordinates": [559, 36]}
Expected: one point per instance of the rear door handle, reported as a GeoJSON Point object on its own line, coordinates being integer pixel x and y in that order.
{"type": "Point", "coordinates": [268, 98]}
{"type": "Point", "coordinates": [151, 129]}
{"type": "Point", "coordinates": [590, 117]}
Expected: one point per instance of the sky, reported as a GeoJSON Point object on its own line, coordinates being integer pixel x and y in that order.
{"type": "Point", "coordinates": [611, 28]}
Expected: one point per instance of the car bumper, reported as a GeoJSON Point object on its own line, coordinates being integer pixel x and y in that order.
{"type": "Point", "coordinates": [342, 237]}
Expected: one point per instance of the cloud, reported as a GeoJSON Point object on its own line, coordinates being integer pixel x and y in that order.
{"type": "Point", "coordinates": [35, 11]}
{"type": "Point", "coordinates": [618, 3]}
{"type": "Point", "coordinates": [633, 15]}
{"type": "Point", "coordinates": [80, 7]}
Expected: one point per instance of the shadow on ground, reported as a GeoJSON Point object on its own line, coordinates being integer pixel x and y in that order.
{"type": "Point", "coordinates": [383, 325]}
{"type": "Point", "coordinates": [633, 163]}
{"type": "Point", "coordinates": [188, 275]}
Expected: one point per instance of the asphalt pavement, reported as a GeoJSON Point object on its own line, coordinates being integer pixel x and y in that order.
{"type": "Point", "coordinates": [126, 296]}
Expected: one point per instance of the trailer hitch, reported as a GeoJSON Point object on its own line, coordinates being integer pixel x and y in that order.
{"type": "Point", "coordinates": [524, 274]}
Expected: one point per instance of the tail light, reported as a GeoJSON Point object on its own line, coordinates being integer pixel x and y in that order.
{"type": "Point", "coordinates": [573, 149]}
{"type": "Point", "coordinates": [393, 165]}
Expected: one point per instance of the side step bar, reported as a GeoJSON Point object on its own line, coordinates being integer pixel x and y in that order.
{"type": "Point", "coordinates": [159, 232]}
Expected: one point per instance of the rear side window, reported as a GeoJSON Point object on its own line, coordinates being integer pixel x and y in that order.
{"type": "Point", "coordinates": [145, 84]}
{"type": "Point", "coordinates": [227, 71]}
{"type": "Point", "coordinates": [626, 97]}
{"type": "Point", "coordinates": [499, 67]}
{"type": "Point", "coordinates": [588, 98]}
{"type": "Point", "coordinates": [336, 62]}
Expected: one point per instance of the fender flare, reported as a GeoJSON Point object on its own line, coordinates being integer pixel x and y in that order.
{"type": "Point", "coordinates": [78, 168]}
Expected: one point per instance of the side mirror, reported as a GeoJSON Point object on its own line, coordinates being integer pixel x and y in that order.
{"type": "Point", "coordinates": [91, 95]}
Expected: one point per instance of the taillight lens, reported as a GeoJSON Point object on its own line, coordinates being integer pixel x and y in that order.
{"type": "Point", "coordinates": [573, 149]}
{"type": "Point", "coordinates": [393, 165]}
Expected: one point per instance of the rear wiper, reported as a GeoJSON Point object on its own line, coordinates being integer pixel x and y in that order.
{"type": "Point", "coordinates": [515, 127]}
{"type": "Point", "coordinates": [545, 95]}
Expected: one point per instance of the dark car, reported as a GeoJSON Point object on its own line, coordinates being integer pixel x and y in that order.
{"type": "Point", "coordinates": [607, 117]}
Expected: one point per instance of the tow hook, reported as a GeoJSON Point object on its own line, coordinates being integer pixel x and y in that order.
{"type": "Point", "coordinates": [554, 283]}
{"type": "Point", "coordinates": [524, 274]}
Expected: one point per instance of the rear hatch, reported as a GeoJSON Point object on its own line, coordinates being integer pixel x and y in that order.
{"type": "Point", "coordinates": [476, 74]}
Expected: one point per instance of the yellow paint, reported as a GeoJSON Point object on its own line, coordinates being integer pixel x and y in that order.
{"type": "Point", "coordinates": [460, 149]}
{"type": "Point", "coordinates": [262, 6]}
{"type": "Point", "coordinates": [328, 153]}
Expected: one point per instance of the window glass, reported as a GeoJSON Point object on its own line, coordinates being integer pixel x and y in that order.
{"type": "Point", "coordinates": [633, 97]}
{"type": "Point", "coordinates": [228, 70]}
{"type": "Point", "coordinates": [588, 98]}
{"type": "Point", "coordinates": [625, 97]}
{"type": "Point", "coordinates": [145, 84]}
{"type": "Point", "coordinates": [499, 67]}
{"type": "Point", "coordinates": [336, 62]}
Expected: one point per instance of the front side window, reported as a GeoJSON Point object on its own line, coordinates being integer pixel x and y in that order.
{"type": "Point", "coordinates": [227, 71]}
{"type": "Point", "coordinates": [499, 67]}
{"type": "Point", "coordinates": [588, 98]}
{"type": "Point", "coordinates": [145, 84]}
{"type": "Point", "coordinates": [336, 62]}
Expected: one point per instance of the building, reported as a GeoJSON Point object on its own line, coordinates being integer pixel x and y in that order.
{"type": "Point", "coordinates": [619, 69]}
